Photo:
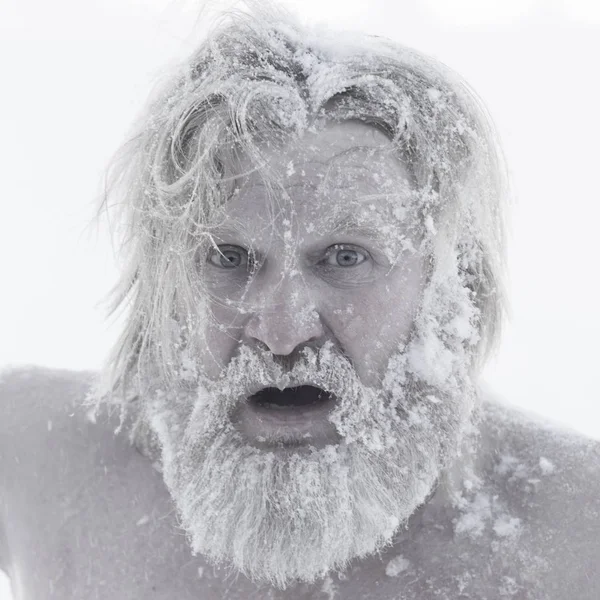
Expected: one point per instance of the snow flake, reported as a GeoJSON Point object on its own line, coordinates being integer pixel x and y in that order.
{"type": "Point", "coordinates": [546, 466]}
{"type": "Point", "coordinates": [143, 521]}
{"type": "Point", "coordinates": [397, 565]}
{"type": "Point", "coordinates": [507, 526]}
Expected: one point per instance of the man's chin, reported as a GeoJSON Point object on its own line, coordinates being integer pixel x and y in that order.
{"type": "Point", "coordinates": [282, 518]}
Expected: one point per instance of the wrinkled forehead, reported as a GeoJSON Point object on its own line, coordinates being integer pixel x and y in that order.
{"type": "Point", "coordinates": [343, 170]}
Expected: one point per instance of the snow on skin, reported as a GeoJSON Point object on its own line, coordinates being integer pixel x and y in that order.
{"type": "Point", "coordinates": [396, 565]}
{"type": "Point", "coordinates": [546, 466]}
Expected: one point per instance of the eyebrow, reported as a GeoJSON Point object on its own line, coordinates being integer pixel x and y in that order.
{"type": "Point", "coordinates": [346, 225]}
{"type": "Point", "coordinates": [349, 224]}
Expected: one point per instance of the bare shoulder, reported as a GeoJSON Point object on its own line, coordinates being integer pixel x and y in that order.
{"type": "Point", "coordinates": [537, 451]}
{"type": "Point", "coordinates": [36, 402]}
{"type": "Point", "coordinates": [82, 511]}
{"type": "Point", "coordinates": [548, 478]}
{"type": "Point", "coordinates": [42, 419]}
{"type": "Point", "coordinates": [37, 423]}
{"type": "Point", "coordinates": [27, 389]}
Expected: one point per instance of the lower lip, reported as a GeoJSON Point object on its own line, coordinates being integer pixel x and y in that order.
{"type": "Point", "coordinates": [281, 426]}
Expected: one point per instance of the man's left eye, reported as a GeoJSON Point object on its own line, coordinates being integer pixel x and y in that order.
{"type": "Point", "coordinates": [341, 255]}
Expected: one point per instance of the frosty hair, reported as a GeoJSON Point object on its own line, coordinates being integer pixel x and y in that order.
{"type": "Point", "coordinates": [259, 79]}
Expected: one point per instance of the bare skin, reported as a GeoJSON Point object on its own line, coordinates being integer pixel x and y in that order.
{"type": "Point", "coordinates": [85, 515]}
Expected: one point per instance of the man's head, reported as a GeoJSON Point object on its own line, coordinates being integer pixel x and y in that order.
{"type": "Point", "coordinates": [314, 238]}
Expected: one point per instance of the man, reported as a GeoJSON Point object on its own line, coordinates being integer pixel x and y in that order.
{"type": "Point", "coordinates": [313, 237]}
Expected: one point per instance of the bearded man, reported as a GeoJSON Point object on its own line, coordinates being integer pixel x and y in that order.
{"type": "Point", "coordinates": [313, 236]}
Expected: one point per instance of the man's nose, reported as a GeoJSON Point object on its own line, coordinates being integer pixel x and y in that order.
{"type": "Point", "coordinates": [285, 318]}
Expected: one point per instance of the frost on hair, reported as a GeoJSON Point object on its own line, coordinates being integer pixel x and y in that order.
{"type": "Point", "coordinates": [261, 80]}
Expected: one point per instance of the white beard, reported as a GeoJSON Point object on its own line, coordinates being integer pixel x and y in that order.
{"type": "Point", "coordinates": [292, 516]}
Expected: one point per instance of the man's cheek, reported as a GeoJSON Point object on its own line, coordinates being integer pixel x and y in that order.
{"type": "Point", "coordinates": [356, 330]}
{"type": "Point", "coordinates": [379, 324]}
{"type": "Point", "coordinates": [216, 344]}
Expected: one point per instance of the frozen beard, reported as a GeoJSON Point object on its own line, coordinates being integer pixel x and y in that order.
{"type": "Point", "coordinates": [283, 517]}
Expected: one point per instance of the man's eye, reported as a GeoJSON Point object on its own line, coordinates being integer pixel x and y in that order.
{"type": "Point", "coordinates": [229, 257]}
{"type": "Point", "coordinates": [344, 256]}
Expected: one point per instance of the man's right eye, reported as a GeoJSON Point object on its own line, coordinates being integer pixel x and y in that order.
{"type": "Point", "coordinates": [229, 257]}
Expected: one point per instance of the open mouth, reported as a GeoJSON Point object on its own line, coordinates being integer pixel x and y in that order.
{"type": "Point", "coordinates": [290, 399]}
{"type": "Point", "coordinates": [291, 418]}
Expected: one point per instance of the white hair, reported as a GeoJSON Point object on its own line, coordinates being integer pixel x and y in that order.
{"type": "Point", "coordinates": [259, 78]}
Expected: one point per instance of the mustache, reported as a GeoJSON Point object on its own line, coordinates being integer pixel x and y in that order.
{"type": "Point", "coordinates": [253, 370]}
{"type": "Point", "coordinates": [364, 415]}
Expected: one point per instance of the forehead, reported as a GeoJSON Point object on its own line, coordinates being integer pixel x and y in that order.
{"type": "Point", "coordinates": [346, 169]}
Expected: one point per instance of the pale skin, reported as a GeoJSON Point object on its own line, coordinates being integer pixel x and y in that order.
{"type": "Point", "coordinates": [84, 514]}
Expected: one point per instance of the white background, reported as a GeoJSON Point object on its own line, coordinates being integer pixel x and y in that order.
{"type": "Point", "coordinates": [74, 73]}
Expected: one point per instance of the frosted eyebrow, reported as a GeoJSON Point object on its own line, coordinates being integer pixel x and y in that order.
{"type": "Point", "coordinates": [340, 226]}
{"type": "Point", "coordinates": [229, 231]}
{"type": "Point", "coordinates": [350, 225]}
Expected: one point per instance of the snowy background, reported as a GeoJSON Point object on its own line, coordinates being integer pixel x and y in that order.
{"type": "Point", "coordinates": [74, 73]}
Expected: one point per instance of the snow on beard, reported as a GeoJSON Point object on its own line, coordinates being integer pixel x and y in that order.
{"type": "Point", "coordinates": [286, 517]}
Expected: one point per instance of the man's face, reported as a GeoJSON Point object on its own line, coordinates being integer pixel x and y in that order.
{"type": "Point", "coordinates": [334, 259]}
{"type": "Point", "coordinates": [319, 418]}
